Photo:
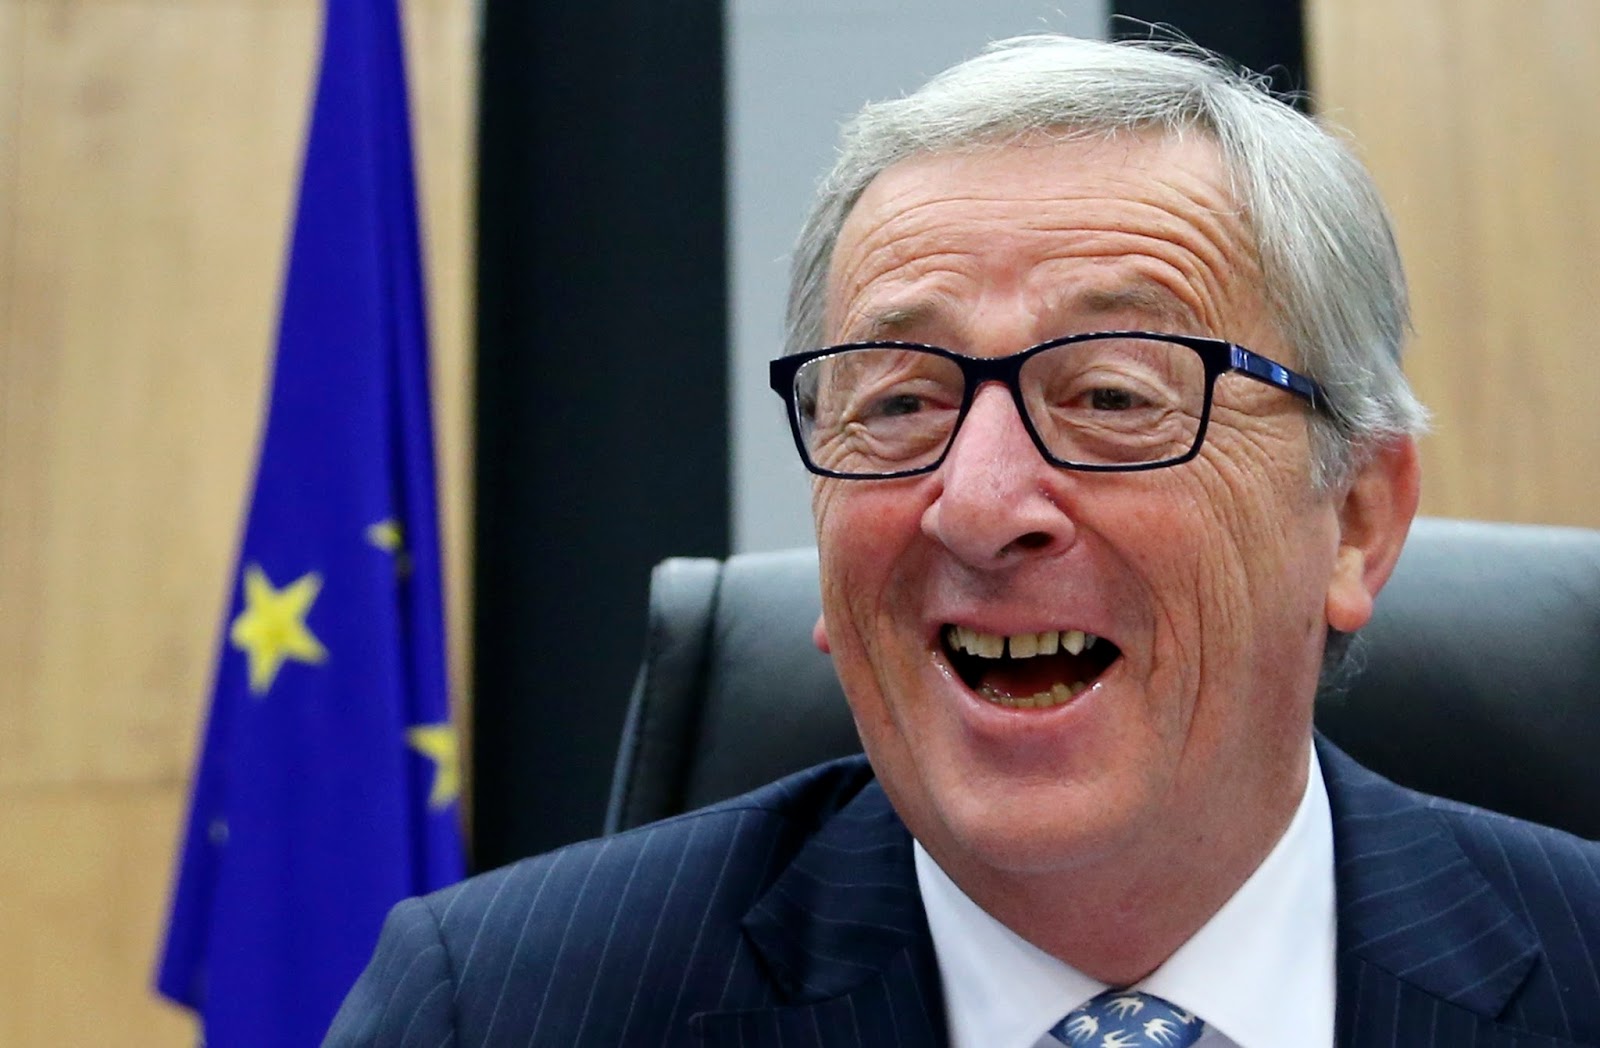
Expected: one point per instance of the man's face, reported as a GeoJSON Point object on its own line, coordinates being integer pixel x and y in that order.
{"type": "Point", "coordinates": [1209, 585]}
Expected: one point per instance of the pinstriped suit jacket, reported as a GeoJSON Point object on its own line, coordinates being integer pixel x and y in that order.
{"type": "Point", "coordinates": [791, 917]}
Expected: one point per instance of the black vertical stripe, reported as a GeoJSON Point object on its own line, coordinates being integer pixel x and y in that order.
{"type": "Point", "coordinates": [601, 390]}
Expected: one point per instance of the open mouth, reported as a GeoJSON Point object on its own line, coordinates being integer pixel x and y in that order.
{"type": "Point", "coordinates": [1028, 670]}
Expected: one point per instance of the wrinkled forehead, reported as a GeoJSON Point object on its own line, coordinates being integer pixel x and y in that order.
{"type": "Point", "coordinates": [1147, 221]}
{"type": "Point", "coordinates": [1192, 141]}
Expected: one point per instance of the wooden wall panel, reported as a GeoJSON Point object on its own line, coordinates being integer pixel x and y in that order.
{"type": "Point", "coordinates": [1481, 121]}
{"type": "Point", "coordinates": [149, 151]}
{"type": "Point", "coordinates": [83, 879]}
{"type": "Point", "coordinates": [155, 166]}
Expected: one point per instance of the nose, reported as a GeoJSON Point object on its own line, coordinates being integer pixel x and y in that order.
{"type": "Point", "coordinates": [1000, 500]}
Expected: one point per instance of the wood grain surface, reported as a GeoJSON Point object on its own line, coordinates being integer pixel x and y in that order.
{"type": "Point", "coordinates": [149, 154]}
{"type": "Point", "coordinates": [1481, 122]}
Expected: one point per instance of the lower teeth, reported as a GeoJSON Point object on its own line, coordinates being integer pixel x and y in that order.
{"type": "Point", "coordinates": [1058, 694]}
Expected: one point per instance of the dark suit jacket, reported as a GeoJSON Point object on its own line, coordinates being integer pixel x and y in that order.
{"type": "Point", "coordinates": [791, 916]}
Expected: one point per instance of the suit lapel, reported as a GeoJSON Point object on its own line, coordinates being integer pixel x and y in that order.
{"type": "Point", "coordinates": [1427, 952]}
{"type": "Point", "coordinates": [843, 934]}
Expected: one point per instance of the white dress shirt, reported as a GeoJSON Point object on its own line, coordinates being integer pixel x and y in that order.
{"type": "Point", "coordinates": [1260, 972]}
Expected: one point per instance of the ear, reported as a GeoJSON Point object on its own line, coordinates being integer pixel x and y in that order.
{"type": "Point", "coordinates": [1374, 516]}
{"type": "Point", "coordinates": [819, 635]}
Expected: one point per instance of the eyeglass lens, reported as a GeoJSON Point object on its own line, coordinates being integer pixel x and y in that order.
{"type": "Point", "coordinates": [1120, 401]}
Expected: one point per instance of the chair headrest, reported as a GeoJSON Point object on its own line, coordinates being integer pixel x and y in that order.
{"type": "Point", "coordinates": [1477, 678]}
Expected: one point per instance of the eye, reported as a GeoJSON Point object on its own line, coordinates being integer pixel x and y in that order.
{"type": "Point", "coordinates": [897, 404]}
{"type": "Point", "coordinates": [1106, 398]}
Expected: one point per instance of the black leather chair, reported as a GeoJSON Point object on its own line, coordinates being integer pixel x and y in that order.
{"type": "Point", "coordinates": [1478, 679]}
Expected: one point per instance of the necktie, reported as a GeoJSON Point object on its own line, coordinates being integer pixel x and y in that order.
{"type": "Point", "coordinates": [1128, 1019]}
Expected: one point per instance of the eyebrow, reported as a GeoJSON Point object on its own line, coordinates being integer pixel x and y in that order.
{"type": "Point", "coordinates": [1140, 299]}
{"type": "Point", "coordinates": [895, 321]}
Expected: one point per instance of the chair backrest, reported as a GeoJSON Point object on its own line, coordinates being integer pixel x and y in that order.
{"type": "Point", "coordinates": [1478, 678]}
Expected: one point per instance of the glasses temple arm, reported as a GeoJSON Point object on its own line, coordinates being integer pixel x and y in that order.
{"type": "Point", "coordinates": [1274, 374]}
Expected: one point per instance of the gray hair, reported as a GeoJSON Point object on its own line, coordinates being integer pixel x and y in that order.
{"type": "Point", "coordinates": [1331, 270]}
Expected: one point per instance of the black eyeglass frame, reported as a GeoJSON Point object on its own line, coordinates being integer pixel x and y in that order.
{"type": "Point", "coordinates": [1219, 357]}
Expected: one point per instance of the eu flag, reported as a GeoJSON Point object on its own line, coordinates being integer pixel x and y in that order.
{"type": "Point", "coordinates": [326, 789]}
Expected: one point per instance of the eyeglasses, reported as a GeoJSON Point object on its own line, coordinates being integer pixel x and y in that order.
{"type": "Point", "coordinates": [1105, 401]}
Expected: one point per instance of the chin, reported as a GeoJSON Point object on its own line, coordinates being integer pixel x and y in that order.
{"type": "Point", "coordinates": [1014, 828]}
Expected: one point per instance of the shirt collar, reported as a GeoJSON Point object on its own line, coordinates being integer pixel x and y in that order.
{"type": "Point", "coordinates": [1260, 971]}
{"type": "Point", "coordinates": [1000, 991]}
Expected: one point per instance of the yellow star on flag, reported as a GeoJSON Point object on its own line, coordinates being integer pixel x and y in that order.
{"type": "Point", "coordinates": [437, 742]}
{"type": "Point", "coordinates": [272, 627]}
{"type": "Point", "coordinates": [390, 537]}
{"type": "Point", "coordinates": [386, 535]}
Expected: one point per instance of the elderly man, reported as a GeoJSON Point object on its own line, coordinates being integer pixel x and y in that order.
{"type": "Point", "coordinates": [1112, 451]}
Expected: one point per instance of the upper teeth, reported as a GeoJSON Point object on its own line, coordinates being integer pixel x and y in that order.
{"type": "Point", "coordinates": [1020, 645]}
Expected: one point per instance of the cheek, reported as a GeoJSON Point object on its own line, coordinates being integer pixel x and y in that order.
{"type": "Point", "coordinates": [839, 509]}
{"type": "Point", "coordinates": [1257, 487]}
{"type": "Point", "coordinates": [864, 529]}
{"type": "Point", "coordinates": [1173, 556]}
{"type": "Point", "coordinates": [858, 521]}
{"type": "Point", "coordinates": [1267, 563]}
{"type": "Point", "coordinates": [1221, 547]}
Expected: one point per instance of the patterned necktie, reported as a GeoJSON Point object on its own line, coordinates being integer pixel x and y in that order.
{"type": "Point", "coordinates": [1128, 1019]}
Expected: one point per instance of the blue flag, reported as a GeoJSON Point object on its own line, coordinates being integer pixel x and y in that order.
{"type": "Point", "coordinates": [326, 789]}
